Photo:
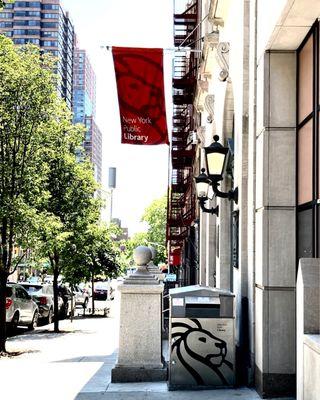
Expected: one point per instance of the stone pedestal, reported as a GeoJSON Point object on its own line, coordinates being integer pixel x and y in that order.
{"type": "Point", "coordinates": [154, 269]}
{"type": "Point", "coordinates": [140, 358]}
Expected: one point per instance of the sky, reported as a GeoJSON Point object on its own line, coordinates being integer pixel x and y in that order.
{"type": "Point", "coordinates": [142, 171]}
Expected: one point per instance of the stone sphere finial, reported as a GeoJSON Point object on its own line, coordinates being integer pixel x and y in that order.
{"type": "Point", "coordinates": [153, 252]}
{"type": "Point", "coordinates": [142, 255]}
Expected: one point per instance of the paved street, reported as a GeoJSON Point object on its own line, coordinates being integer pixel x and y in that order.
{"type": "Point", "coordinates": [77, 363]}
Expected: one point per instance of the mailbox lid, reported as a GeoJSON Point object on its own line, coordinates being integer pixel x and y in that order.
{"type": "Point", "coordinates": [201, 301]}
{"type": "Point", "coordinates": [198, 290]}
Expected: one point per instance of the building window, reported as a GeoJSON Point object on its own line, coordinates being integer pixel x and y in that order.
{"type": "Point", "coordinates": [27, 4]}
{"type": "Point", "coordinates": [5, 24]}
{"type": "Point", "coordinates": [235, 239]}
{"type": "Point", "coordinates": [33, 41]}
{"type": "Point", "coordinates": [26, 32]}
{"type": "Point", "coordinates": [26, 41]}
{"type": "Point", "coordinates": [50, 16]}
{"type": "Point", "coordinates": [26, 23]}
{"type": "Point", "coordinates": [27, 14]}
{"type": "Point", "coordinates": [49, 25]}
{"type": "Point", "coordinates": [49, 43]}
{"type": "Point", "coordinates": [50, 6]}
{"type": "Point", "coordinates": [49, 34]}
{"type": "Point", "coordinates": [308, 146]}
{"type": "Point", "coordinates": [4, 15]}
{"type": "Point", "coordinates": [19, 41]}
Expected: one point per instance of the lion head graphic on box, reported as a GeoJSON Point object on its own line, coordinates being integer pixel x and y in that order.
{"type": "Point", "coordinates": [192, 342]}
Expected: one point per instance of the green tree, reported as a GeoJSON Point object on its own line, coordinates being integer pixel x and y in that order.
{"type": "Point", "coordinates": [71, 205]}
{"type": "Point", "coordinates": [96, 253]}
{"type": "Point", "coordinates": [138, 239]}
{"type": "Point", "coordinates": [155, 215]}
{"type": "Point", "coordinates": [28, 103]}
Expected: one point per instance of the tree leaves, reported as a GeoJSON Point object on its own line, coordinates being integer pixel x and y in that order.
{"type": "Point", "coordinates": [155, 215]}
{"type": "Point", "coordinates": [94, 252]}
{"type": "Point", "coordinates": [28, 106]}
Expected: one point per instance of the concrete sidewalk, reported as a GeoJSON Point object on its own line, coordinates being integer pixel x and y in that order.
{"type": "Point", "coordinates": [99, 387]}
{"type": "Point", "coordinates": [94, 390]}
{"type": "Point", "coordinates": [158, 391]}
{"type": "Point", "coordinates": [77, 364]}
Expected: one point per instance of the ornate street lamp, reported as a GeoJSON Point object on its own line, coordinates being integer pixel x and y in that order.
{"type": "Point", "coordinates": [216, 160]}
{"type": "Point", "coordinates": [202, 186]}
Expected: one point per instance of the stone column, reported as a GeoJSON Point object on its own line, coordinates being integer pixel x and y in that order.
{"type": "Point", "coordinates": [140, 358]}
{"type": "Point", "coordinates": [308, 319]}
{"type": "Point", "coordinates": [211, 248]}
{"type": "Point", "coordinates": [223, 261]}
{"type": "Point", "coordinates": [275, 263]}
{"type": "Point", "coordinates": [203, 248]}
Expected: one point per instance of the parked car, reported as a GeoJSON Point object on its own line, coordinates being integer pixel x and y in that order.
{"type": "Point", "coordinates": [20, 308]}
{"type": "Point", "coordinates": [101, 290]}
{"type": "Point", "coordinates": [43, 296]}
{"type": "Point", "coordinates": [68, 301]}
{"type": "Point", "coordinates": [81, 296]}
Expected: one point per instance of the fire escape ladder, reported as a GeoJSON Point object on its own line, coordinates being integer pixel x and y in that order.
{"type": "Point", "coordinates": [181, 197]}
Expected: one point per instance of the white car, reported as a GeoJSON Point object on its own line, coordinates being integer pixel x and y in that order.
{"type": "Point", "coordinates": [81, 296]}
{"type": "Point", "coordinates": [20, 308]}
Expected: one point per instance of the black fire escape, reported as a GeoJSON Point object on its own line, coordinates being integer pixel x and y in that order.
{"type": "Point", "coordinates": [181, 196]}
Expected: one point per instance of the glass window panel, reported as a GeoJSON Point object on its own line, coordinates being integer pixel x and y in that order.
{"type": "Point", "coordinates": [318, 231]}
{"type": "Point", "coordinates": [318, 157]}
{"type": "Point", "coordinates": [305, 163]}
{"type": "Point", "coordinates": [305, 234]}
{"type": "Point", "coordinates": [306, 79]}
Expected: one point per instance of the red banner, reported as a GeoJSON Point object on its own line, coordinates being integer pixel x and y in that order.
{"type": "Point", "coordinates": [175, 258]}
{"type": "Point", "coordinates": [139, 75]}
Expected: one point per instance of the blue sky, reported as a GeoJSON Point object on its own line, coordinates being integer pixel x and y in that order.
{"type": "Point", "coordinates": [142, 171]}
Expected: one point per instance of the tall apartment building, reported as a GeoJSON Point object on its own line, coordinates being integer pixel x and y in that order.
{"type": "Point", "coordinates": [84, 88]}
{"type": "Point", "coordinates": [45, 24]}
{"type": "Point", "coordinates": [84, 108]}
{"type": "Point", "coordinates": [93, 146]}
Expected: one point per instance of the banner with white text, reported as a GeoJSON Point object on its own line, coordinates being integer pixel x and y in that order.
{"type": "Point", "coordinates": [140, 83]}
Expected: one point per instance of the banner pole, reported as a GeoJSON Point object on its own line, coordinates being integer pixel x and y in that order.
{"type": "Point", "coordinates": [173, 49]}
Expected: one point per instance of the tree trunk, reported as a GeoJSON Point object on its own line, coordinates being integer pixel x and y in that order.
{"type": "Point", "coordinates": [55, 298]}
{"type": "Point", "coordinates": [92, 284]}
{"type": "Point", "coordinates": [3, 325]}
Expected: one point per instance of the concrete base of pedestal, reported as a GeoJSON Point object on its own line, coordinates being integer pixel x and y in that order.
{"type": "Point", "coordinates": [120, 374]}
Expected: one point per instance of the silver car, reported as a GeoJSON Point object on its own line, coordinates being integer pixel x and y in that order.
{"type": "Point", "coordinates": [43, 296]}
{"type": "Point", "coordinates": [20, 308]}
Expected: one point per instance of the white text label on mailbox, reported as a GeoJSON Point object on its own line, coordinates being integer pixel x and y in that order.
{"type": "Point", "coordinates": [178, 302]}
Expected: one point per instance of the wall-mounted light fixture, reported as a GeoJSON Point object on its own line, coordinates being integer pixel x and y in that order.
{"type": "Point", "coordinates": [202, 186]}
{"type": "Point", "coordinates": [216, 159]}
